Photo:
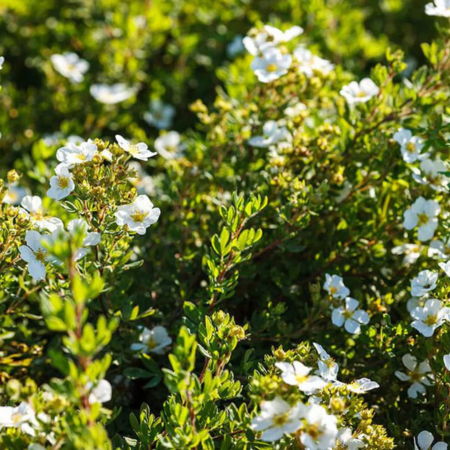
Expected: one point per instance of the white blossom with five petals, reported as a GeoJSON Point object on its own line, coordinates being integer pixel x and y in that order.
{"type": "Point", "coordinates": [138, 215]}
{"type": "Point", "coordinates": [422, 214]}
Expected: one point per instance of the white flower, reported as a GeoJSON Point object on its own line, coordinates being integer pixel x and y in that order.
{"type": "Point", "coordinates": [155, 340]}
{"type": "Point", "coordinates": [439, 250]}
{"type": "Point", "coordinates": [235, 47]}
{"type": "Point", "coordinates": [106, 154]}
{"type": "Point", "coordinates": [169, 145]}
{"type": "Point", "coordinates": [423, 283]}
{"type": "Point", "coordinates": [61, 185]}
{"type": "Point", "coordinates": [90, 239]}
{"type": "Point", "coordinates": [138, 151]}
{"type": "Point", "coordinates": [112, 94]}
{"type": "Point", "coordinates": [359, 92]}
{"type": "Point", "coordinates": [76, 153]}
{"type": "Point", "coordinates": [14, 195]}
{"type": "Point", "coordinates": [445, 267]}
{"type": "Point", "coordinates": [71, 66]}
{"type": "Point", "coordinates": [349, 316]}
{"type": "Point", "coordinates": [362, 386]}
{"type": "Point", "coordinates": [34, 254]}
{"type": "Point", "coordinates": [438, 8]}
{"type": "Point", "coordinates": [419, 374]}
{"type": "Point", "coordinates": [320, 430]}
{"type": "Point", "coordinates": [272, 134]}
{"type": "Point", "coordinates": [447, 361]}
{"type": "Point", "coordinates": [2, 60]}
{"type": "Point", "coordinates": [269, 37]}
{"type": "Point", "coordinates": [414, 302]}
{"type": "Point", "coordinates": [271, 65]}
{"type": "Point", "coordinates": [310, 63]}
{"type": "Point", "coordinates": [138, 215]}
{"type": "Point", "coordinates": [335, 286]}
{"type": "Point", "coordinates": [347, 441]}
{"type": "Point", "coordinates": [328, 368]}
{"type": "Point", "coordinates": [102, 393]}
{"type": "Point", "coordinates": [160, 115]}
{"type": "Point", "coordinates": [410, 145]}
{"type": "Point", "coordinates": [412, 252]}
{"type": "Point", "coordinates": [277, 418]}
{"type": "Point", "coordinates": [52, 139]}
{"type": "Point", "coordinates": [425, 438]}
{"type": "Point", "coordinates": [432, 175]}
{"type": "Point", "coordinates": [295, 110]}
{"type": "Point", "coordinates": [422, 213]}
{"type": "Point", "coordinates": [33, 209]}
{"type": "Point", "coordinates": [429, 317]}
{"type": "Point", "coordinates": [17, 417]}
{"type": "Point", "coordinates": [297, 374]}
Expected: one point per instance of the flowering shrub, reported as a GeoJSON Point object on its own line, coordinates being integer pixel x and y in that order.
{"type": "Point", "coordinates": [264, 267]}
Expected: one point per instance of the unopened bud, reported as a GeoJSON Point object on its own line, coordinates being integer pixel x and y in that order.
{"type": "Point", "coordinates": [13, 176]}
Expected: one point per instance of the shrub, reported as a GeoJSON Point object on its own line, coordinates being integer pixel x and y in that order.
{"type": "Point", "coordinates": [287, 288]}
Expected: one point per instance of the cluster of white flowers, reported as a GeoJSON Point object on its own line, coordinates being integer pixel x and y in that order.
{"type": "Point", "coordinates": [316, 428]}
{"type": "Point", "coordinates": [430, 313]}
{"type": "Point", "coordinates": [272, 59]}
{"type": "Point", "coordinates": [431, 172]}
{"type": "Point", "coordinates": [24, 417]}
{"type": "Point", "coordinates": [72, 67]}
{"type": "Point", "coordinates": [347, 314]}
{"type": "Point", "coordinates": [138, 216]}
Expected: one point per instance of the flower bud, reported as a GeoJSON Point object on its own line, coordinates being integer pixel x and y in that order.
{"type": "Point", "coordinates": [238, 332]}
{"type": "Point", "coordinates": [279, 354]}
{"type": "Point", "coordinates": [97, 159]}
{"type": "Point", "coordinates": [13, 176]}
{"type": "Point", "coordinates": [337, 404]}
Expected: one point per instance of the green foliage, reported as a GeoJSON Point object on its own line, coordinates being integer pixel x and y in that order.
{"type": "Point", "coordinates": [124, 329]}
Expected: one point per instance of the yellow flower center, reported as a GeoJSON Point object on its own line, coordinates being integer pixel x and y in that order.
{"type": "Point", "coordinates": [138, 216]}
{"type": "Point", "coordinates": [16, 418]}
{"type": "Point", "coordinates": [280, 419]}
{"type": "Point", "coordinates": [333, 290]}
{"type": "Point", "coordinates": [133, 150]}
{"type": "Point", "coordinates": [151, 344]}
{"type": "Point", "coordinates": [431, 320]}
{"type": "Point", "coordinates": [313, 431]}
{"type": "Point", "coordinates": [38, 216]}
{"type": "Point", "coordinates": [63, 182]}
{"type": "Point", "coordinates": [329, 362]}
{"type": "Point", "coordinates": [361, 94]}
{"type": "Point", "coordinates": [410, 147]}
{"type": "Point", "coordinates": [41, 255]}
{"type": "Point", "coordinates": [423, 219]}
{"type": "Point", "coordinates": [81, 157]}
{"type": "Point", "coordinates": [301, 378]}
{"type": "Point", "coordinates": [348, 314]}
{"type": "Point", "coordinates": [415, 376]}
{"type": "Point", "coordinates": [271, 67]}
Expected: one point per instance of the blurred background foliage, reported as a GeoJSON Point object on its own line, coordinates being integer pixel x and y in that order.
{"type": "Point", "coordinates": [170, 49]}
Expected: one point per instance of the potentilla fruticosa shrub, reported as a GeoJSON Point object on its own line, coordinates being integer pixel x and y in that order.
{"type": "Point", "coordinates": [276, 277]}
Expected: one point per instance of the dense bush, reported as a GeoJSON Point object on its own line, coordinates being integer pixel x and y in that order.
{"type": "Point", "coordinates": [288, 288]}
